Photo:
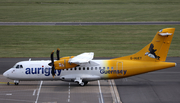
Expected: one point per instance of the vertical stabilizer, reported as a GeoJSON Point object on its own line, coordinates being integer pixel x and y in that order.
{"type": "Point", "coordinates": [157, 50]}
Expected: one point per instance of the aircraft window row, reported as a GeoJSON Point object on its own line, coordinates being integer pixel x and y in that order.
{"type": "Point", "coordinates": [89, 68]}
{"type": "Point", "coordinates": [19, 66]}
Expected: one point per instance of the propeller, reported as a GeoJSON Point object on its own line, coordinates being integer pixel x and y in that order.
{"type": "Point", "coordinates": [52, 61]}
{"type": "Point", "coordinates": [57, 53]}
{"type": "Point", "coordinates": [52, 64]}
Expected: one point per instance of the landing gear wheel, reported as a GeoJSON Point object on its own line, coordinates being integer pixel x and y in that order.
{"type": "Point", "coordinates": [82, 84]}
{"type": "Point", "coordinates": [85, 83]}
{"type": "Point", "coordinates": [16, 83]}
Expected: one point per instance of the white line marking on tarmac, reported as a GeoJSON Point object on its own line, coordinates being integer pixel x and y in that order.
{"type": "Point", "coordinates": [68, 100]}
{"type": "Point", "coordinates": [102, 101]}
{"type": "Point", "coordinates": [34, 92]}
{"type": "Point", "coordinates": [69, 93]}
{"type": "Point", "coordinates": [13, 100]}
{"type": "Point", "coordinates": [114, 92]}
{"type": "Point", "coordinates": [9, 94]}
{"type": "Point", "coordinates": [38, 91]}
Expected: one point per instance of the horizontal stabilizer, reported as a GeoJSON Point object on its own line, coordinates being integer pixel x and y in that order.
{"type": "Point", "coordinates": [165, 34]}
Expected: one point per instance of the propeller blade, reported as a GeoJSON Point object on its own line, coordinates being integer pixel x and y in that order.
{"type": "Point", "coordinates": [57, 53]}
{"type": "Point", "coordinates": [52, 57]}
{"type": "Point", "coordinates": [53, 71]}
{"type": "Point", "coordinates": [52, 64]}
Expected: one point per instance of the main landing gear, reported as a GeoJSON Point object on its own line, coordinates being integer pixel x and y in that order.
{"type": "Point", "coordinates": [80, 81]}
{"type": "Point", "coordinates": [83, 83]}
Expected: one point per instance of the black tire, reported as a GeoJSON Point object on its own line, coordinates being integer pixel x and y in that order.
{"type": "Point", "coordinates": [86, 82]}
{"type": "Point", "coordinates": [16, 83]}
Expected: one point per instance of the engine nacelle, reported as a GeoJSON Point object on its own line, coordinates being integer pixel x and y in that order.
{"type": "Point", "coordinates": [64, 64]}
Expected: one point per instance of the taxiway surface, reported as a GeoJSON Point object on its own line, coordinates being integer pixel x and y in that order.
{"type": "Point", "coordinates": [55, 92]}
{"type": "Point", "coordinates": [156, 87]}
{"type": "Point", "coordinates": [161, 86]}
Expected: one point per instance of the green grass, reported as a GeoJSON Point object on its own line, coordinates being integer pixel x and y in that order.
{"type": "Point", "coordinates": [104, 41]}
{"type": "Point", "coordinates": [89, 11]}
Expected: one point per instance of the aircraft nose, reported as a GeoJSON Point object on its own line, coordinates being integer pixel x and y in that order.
{"type": "Point", "coordinates": [5, 74]}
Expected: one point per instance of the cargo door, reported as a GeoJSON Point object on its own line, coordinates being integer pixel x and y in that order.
{"type": "Point", "coordinates": [119, 68]}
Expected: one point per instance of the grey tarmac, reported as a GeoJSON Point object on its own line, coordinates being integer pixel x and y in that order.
{"type": "Point", "coordinates": [55, 92]}
{"type": "Point", "coordinates": [161, 86]}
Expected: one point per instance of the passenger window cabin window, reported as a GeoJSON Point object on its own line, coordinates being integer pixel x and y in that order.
{"type": "Point", "coordinates": [87, 68]}
{"type": "Point", "coordinates": [71, 69]}
{"type": "Point", "coordinates": [91, 68]}
{"type": "Point", "coordinates": [104, 67]}
{"type": "Point", "coordinates": [111, 68]}
{"type": "Point", "coordinates": [79, 68]}
{"type": "Point", "coordinates": [107, 67]}
{"type": "Point", "coordinates": [99, 68]}
{"type": "Point", "coordinates": [83, 68]}
{"type": "Point", "coordinates": [95, 68]}
{"type": "Point", "coordinates": [75, 68]}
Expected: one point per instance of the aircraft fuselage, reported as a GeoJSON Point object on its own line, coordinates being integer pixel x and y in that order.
{"type": "Point", "coordinates": [103, 69]}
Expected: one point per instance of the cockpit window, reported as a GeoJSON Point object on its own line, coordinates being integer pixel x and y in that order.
{"type": "Point", "coordinates": [21, 66]}
{"type": "Point", "coordinates": [18, 66]}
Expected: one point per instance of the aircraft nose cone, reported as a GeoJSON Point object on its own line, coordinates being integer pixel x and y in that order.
{"type": "Point", "coordinates": [5, 74]}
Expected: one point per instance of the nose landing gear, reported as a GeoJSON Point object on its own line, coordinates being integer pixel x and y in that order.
{"type": "Point", "coordinates": [16, 82]}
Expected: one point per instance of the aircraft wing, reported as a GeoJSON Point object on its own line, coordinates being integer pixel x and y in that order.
{"type": "Point", "coordinates": [82, 58]}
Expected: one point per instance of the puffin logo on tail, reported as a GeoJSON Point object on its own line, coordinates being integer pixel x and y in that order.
{"type": "Point", "coordinates": [152, 51]}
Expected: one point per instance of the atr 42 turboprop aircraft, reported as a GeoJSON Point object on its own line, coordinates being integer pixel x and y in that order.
{"type": "Point", "coordinates": [82, 68]}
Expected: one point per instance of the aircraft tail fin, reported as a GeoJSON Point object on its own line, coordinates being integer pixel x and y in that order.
{"type": "Point", "coordinates": [157, 50]}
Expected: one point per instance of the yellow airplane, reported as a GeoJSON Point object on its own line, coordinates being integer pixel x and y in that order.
{"type": "Point", "coordinates": [82, 68]}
